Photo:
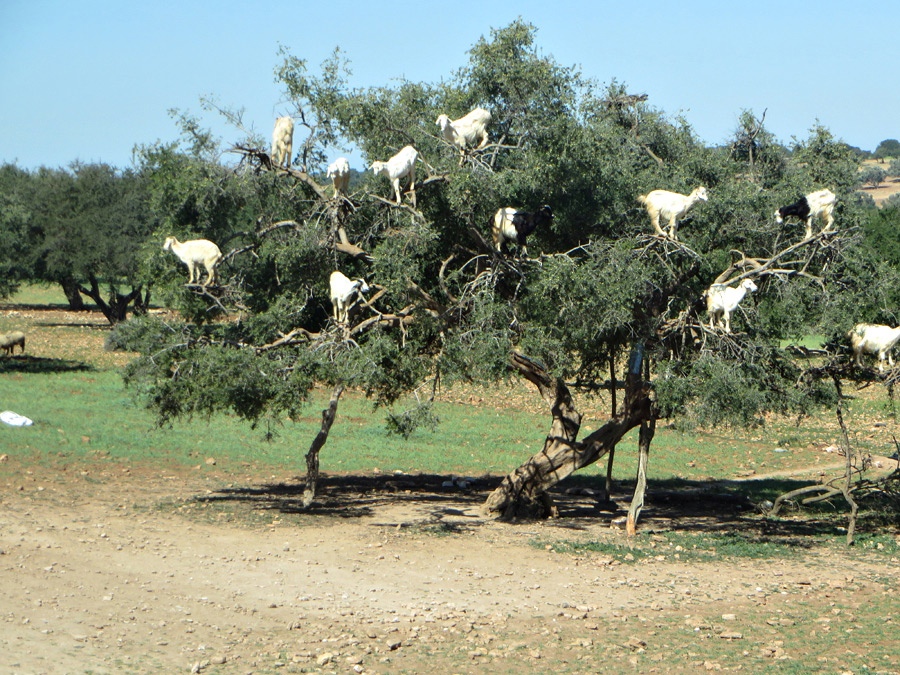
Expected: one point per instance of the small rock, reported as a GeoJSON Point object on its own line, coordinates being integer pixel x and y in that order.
{"type": "Point", "coordinates": [636, 644]}
{"type": "Point", "coordinates": [211, 461]}
{"type": "Point", "coordinates": [731, 636]}
{"type": "Point", "coordinates": [394, 645]}
{"type": "Point", "coordinates": [325, 658]}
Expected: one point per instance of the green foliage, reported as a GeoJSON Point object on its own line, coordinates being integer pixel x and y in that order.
{"type": "Point", "coordinates": [890, 147]}
{"type": "Point", "coordinates": [872, 175]}
{"type": "Point", "coordinates": [15, 215]}
{"type": "Point", "coordinates": [894, 167]}
{"type": "Point", "coordinates": [443, 305]}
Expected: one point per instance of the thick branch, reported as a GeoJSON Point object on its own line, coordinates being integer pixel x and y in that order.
{"type": "Point", "coordinates": [523, 493]}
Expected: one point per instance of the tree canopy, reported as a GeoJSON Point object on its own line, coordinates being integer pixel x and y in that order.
{"type": "Point", "coordinates": [598, 289]}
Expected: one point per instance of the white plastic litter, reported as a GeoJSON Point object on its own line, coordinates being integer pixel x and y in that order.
{"type": "Point", "coordinates": [15, 419]}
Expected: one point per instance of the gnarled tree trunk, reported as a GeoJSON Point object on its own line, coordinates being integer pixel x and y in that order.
{"type": "Point", "coordinates": [312, 457]}
{"type": "Point", "coordinates": [523, 493]}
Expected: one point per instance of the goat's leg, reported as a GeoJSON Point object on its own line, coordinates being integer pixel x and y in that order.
{"type": "Point", "coordinates": [727, 322]}
{"type": "Point", "coordinates": [672, 234]}
{"type": "Point", "coordinates": [809, 227]}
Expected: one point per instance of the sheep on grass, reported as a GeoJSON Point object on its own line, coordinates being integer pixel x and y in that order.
{"type": "Point", "coordinates": [195, 253]}
{"type": "Point", "coordinates": [9, 341]}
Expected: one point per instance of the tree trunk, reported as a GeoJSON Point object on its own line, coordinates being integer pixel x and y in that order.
{"type": "Point", "coordinates": [523, 493]}
{"type": "Point", "coordinates": [116, 309]}
{"type": "Point", "coordinates": [612, 392]}
{"type": "Point", "coordinates": [312, 457]}
{"type": "Point", "coordinates": [70, 288]}
{"type": "Point", "coordinates": [648, 430]}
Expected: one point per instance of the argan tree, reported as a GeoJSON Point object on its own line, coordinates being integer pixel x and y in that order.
{"type": "Point", "coordinates": [600, 302]}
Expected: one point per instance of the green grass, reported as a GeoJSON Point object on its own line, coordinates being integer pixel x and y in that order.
{"type": "Point", "coordinates": [73, 391]}
{"type": "Point", "coordinates": [681, 546]}
{"type": "Point", "coordinates": [43, 295]}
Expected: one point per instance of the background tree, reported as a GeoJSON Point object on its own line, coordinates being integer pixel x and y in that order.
{"type": "Point", "coordinates": [872, 176]}
{"type": "Point", "coordinates": [894, 167]}
{"type": "Point", "coordinates": [15, 214]}
{"type": "Point", "coordinates": [446, 307]}
{"type": "Point", "coordinates": [84, 229]}
{"type": "Point", "coordinates": [889, 147]}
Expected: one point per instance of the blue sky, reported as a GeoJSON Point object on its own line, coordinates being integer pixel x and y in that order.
{"type": "Point", "coordinates": [89, 79]}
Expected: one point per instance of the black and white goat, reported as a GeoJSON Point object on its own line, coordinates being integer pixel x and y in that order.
{"type": "Point", "coordinates": [512, 224]}
{"type": "Point", "coordinates": [806, 208]}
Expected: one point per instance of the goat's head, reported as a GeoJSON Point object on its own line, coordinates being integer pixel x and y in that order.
{"type": "Point", "coordinates": [701, 194]}
{"type": "Point", "coordinates": [748, 285]}
{"type": "Point", "coordinates": [443, 121]}
{"type": "Point", "coordinates": [362, 285]}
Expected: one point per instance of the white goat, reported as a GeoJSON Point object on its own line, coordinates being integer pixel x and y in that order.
{"type": "Point", "coordinates": [195, 253]}
{"type": "Point", "coordinates": [671, 206]}
{"type": "Point", "coordinates": [874, 339]}
{"type": "Point", "coordinates": [466, 131]}
{"type": "Point", "coordinates": [339, 173]}
{"type": "Point", "coordinates": [399, 166]}
{"type": "Point", "coordinates": [9, 341]}
{"type": "Point", "coordinates": [722, 300]}
{"type": "Point", "coordinates": [283, 142]}
{"type": "Point", "coordinates": [806, 208]}
{"type": "Point", "coordinates": [343, 291]}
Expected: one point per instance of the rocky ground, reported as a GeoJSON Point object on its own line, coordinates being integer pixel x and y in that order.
{"type": "Point", "coordinates": [112, 569]}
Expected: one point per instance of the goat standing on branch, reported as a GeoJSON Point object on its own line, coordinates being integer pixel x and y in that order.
{"type": "Point", "coordinates": [512, 224]}
{"type": "Point", "coordinates": [283, 142]}
{"type": "Point", "coordinates": [399, 166]}
{"type": "Point", "coordinates": [722, 300]}
{"type": "Point", "coordinates": [814, 204]}
{"type": "Point", "coordinates": [468, 131]}
{"type": "Point", "coordinates": [339, 173]}
{"type": "Point", "coordinates": [671, 206]}
{"type": "Point", "coordinates": [195, 253]}
{"type": "Point", "coordinates": [343, 292]}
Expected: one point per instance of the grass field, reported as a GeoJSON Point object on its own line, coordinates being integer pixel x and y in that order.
{"type": "Point", "coordinates": [73, 391]}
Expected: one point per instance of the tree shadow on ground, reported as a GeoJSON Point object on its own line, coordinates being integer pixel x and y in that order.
{"type": "Point", "coordinates": [431, 503]}
{"type": "Point", "coordinates": [26, 364]}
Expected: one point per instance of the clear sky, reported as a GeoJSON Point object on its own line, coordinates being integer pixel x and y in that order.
{"type": "Point", "coordinates": [89, 79]}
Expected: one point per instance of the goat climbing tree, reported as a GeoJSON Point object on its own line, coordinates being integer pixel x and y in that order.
{"type": "Point", "coordinates": [445, 306]}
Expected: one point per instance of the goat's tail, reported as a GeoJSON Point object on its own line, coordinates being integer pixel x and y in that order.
{"type": "Point", "coordinates": [642, 199]}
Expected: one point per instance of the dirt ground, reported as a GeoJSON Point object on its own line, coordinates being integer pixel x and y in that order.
{"type": "Point", "coordinates": [112, 568]}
